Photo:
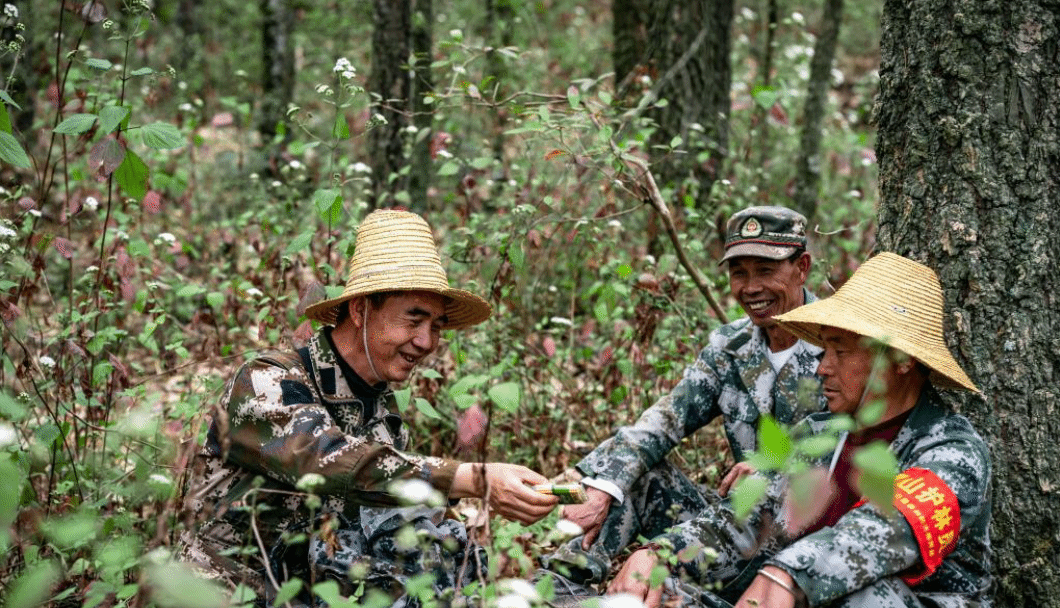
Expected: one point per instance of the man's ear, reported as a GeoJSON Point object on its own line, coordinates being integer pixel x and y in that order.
{"type": "Point", "coordinates": [803, 264]}
{"type": "Point", "coordinates": [357, 310]}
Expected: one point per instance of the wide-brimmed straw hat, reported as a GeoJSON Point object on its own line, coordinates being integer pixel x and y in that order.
{"type": "Point", "coordinates": [396, 251]}
{"type": "Point", "coordinates": [891, 299]}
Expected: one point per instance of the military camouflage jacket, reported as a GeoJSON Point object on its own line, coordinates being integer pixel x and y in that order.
{"type": "Point", "coordinates": [733, 378]}
{"type": "Point", "coordinates": [865, 546]}
{"type": "Point", "coordinates": [288, 414]}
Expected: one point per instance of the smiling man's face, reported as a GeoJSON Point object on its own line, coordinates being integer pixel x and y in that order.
{"type": "Point", "coordinates": [766, 288]}
{"type": "Point", "coordinates": [402, 331]}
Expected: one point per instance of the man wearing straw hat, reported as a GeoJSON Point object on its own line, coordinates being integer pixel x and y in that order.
{"type": "Point", "coordinates": [749, 368]}
{"type": "Point", "coordinates": [305, 461]}
{"type": "Point", "coordinates": [883, 362]}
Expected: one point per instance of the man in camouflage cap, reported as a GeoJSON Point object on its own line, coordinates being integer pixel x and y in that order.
{"type": "Point", "coordinates": [304, 467]}
{"type": "Point", "coordinates": [814, 540]}
{"type": "Point", "coordinates": [749, 367]}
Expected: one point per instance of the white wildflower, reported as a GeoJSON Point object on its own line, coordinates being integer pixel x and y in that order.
{"type": "Point", "coordinates": [568, 528]}
{"type": "Point", "coordinates": [615, 224]}
{"type": "Point", "coordinates": [166, 237]}
{"type": "Point", "coordinates": [47, 361]}
{"type": "Point", "coordinates": [459, 69]}
{"type": "Point", "coordinates": [552, 289]}
{"type": "Point", "coordinates": [412, 129]}
{"type": "Point", "coordinates": [379, 119]}
{"type": "Point", "coordinates": [360, 168]}
{"type": "Point", "coordinates": [560, 321]}
{"type": "Point", "coordinates": [4, 248]}
{"type": "Point", "coordinates": [445, 153]}
{"type": "Point", "coordinates": [35, 212]}
{"type": "Point", "coordinates": [185, 107]}
{"type": "Point", "coordinates": [349, 74]}
{"type": "Point", "coordinates": [11, 11]}
{"type": "Point", "coordinates": [254, 177]}
{"type": "Point", "coordinates": [854, 194]}
{"type": "Point", "coordinates": [159, 478]}
{"type": "Point", "coordinates": [324, 89]}
{"type": "Point", "coordinates": [649, 259]}
{"type": "Point", "coordinates": [345, 68]}
{"type": "Point", "coordinates": [241, 73]}
{"type": "Point", "coordinates": [456, 34]}
{"type": "Point", "coordinates": [254, 292]}
{"type": "Point", "coordinates": [798, 18]}
{"type": "Point", "coordinates": [276, 183]}
{"type": "Point", "coordinates": [91, 269]}
{"type": "Point", "coordinates": [183, 86]}
{"type": "Point", "coordinates": [6, 229]}
{"type": "Point", "coordinates": [294, 164]}
{"type": "Point", "coordinates": [7, 433]}
{"type": "Point", "coordinates": [726, 183]}
{"type": "Point", "coordinates": [511, 601]}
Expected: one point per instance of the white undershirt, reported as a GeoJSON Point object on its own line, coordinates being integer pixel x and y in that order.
{"type": "Point", "coordinates": [780, 358]}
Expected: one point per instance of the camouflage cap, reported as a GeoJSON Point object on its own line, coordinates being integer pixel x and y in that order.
{"type": "Point", "coordinates": [764, 232]}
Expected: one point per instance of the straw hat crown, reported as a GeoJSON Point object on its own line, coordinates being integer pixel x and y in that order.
{"type": "Point", "coordinates": [891, 299]}
{"type": "Point", "coordinates": [396, 251]}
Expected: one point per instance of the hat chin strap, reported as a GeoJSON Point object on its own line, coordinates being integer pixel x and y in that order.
{"type": "Point", "coordinates": [364, 334]}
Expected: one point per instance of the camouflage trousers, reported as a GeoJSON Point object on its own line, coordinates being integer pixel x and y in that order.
{"type": "Point", "coordinates": [885, 593]}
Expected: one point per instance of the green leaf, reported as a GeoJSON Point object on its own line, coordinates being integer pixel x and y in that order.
{"type": "Point", "coordinates": [529, 126]}
{"type": "Point", "coordinates": [574, 98]}
{"type": "Point", "coordinates": [505, 395]}
{"type": "Point", "coordinates": [162, 136]}
{"type": "Point", "coordinates": [516, 255]}
{"type": "Point", "coordinates": [101, 373]}
{"type": "Point", "coordinates": [76, 124]}
{"type": "Point", "coordinates": [341, 129]}
{"type": "Point", "coordinates": [174, 585]}
{"type": "Point", "coordinates": [817, 445]}
{"type": "Point", "coordinates": [215, 299]}
{"type": "Point", "coordinates": [878, 468]}
{"type": "Point", "coordinates": [424, 407]}
{"type": "Point", "coordinates": [99, 64]}
{"type": "Point", "coordinates": [189, 291]}
{"type": "Point", "coordinates": [9, 100]}
{"type": "Point", "coordinates": [746, 494]}
{"type": "Point", "coordinates": [765, 97]}
{"type": "Point", "coordinates": [871, 413]}
{"type": "Point", "coordinates": [299, 243]}
{"type": "Point", "coordinates": [430, 373]}
{"type": "Point", "coordinates": [145, 71]}
{"type": "Point", "coordinates": [70, 531]}
{"type": "Point", "coordinates": [5, 119]}
{"type": "Point", "coordinates": [287, 591]}
{"type": "Point", "coordinates": [328, 202]}
{"type": "Point", "coordinates": [624, 270]}
{"type": "Point", "coordinates": [402, 398]}
{"type": "Point", "coordinates": [464, 400]}
{"type": "Point", "coordinates": [773, 442]}
{"type": "Point", "coordinates": [449, 168]}
{"type": "Point", "coordinates": [132, 175]}
{"type": "Point", "coordinates": [34, 586]}
{"type": "Point", "coordinates": [110, 117]}
{"type": "Point", "coordinates": [11, 151]}
{"type": "Point", "coordinates": [11, 408]}
{"type": "Point", "coordinates": [482, 162]}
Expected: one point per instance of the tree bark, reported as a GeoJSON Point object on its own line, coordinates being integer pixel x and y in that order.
{"type": "Point", "coordinates": [630, 37]}
{"type": "Point", "coordinates": [390, 86]}
{"type": "Point", "coordinates": [422, 113]}
{"type": "Point", "coordinates": [687, 55]}
{"type": "Point", "coordinates": [808, 163]}
{"type": "Point", "coordinates": [969, 153]}
{"type": "Point", "coordinates": [277, 64]}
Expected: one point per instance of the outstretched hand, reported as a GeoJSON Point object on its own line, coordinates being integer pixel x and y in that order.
{"type": "Point", "coordinates": [590, 514]}
{"type": "Point", "coordinates": [635, 578]}
{"type": "Point", "coordinates": [736, 473]}
{"type": "Point", "coordinates": [510, 494]}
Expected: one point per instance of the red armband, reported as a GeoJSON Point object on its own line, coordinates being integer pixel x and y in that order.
{"type": "Point", "coordinates": [932, 510]}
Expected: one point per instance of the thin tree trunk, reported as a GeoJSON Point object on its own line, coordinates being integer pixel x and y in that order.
{"type": "Point", "coordinates": [499, 15]}
{"type": "Point", "coordinates": [422, 113]}
{"type": "Point", "coordinates": [969, 152]}
{"type": "Point", "coordinates": [389, 85]}
{"type": "Point", "coordinates": [808, 163]}
{"type": "Point", "coordinates": [277, 78]}
{"type": "Point", "coordinates": [760, 115]}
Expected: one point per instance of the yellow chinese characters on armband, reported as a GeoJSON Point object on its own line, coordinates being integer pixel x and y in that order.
{"type": "Point", "coordinates": [932, 510]}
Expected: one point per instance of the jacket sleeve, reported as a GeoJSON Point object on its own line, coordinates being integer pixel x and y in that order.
{"type": "Point", "coordinates": [633, 450]}
{"type": "Point", "coordinates": [866, 545]}
{"type": "Point", "coordinates": [277, 427]}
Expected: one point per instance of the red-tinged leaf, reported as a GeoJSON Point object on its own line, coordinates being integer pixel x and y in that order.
{"type": "Point", "coordinates": [303, 334]}
{"type": "Point", "coordinates": [313, 293]}
{"type": "Point", "coordinates": [549, 345]}
{"type": "Point", "coordinates": [93, 11]}
{"type": "Point", "coordinates": [27, 203]}
{"type": "Point", "coordinates": [554, 154]}
{"type": "Point", "coordinates": [222, 119]}
{"type": "Point", "coordinates": [121, 369]}
{"type": "Point", "coordinates": [152, 202]}
{"type": "Point", "coordinates": [9, 312]}
{"type": "Point", "coordinates": [606, 356]}
{"type": "Point", "coordinates": [64, 247]}
{"type": "Point", "coordinates": [648, 282]}
{"type": "Point", "coordinates": [439, 142]}
{"type": "Point", "coordinates": [128, 290]}
{"type": "Point", "coordinates": [74, 349]}
{"type": "Point", "coordinates": [106, 156]}
{"type": "Point", "coordinates": [470, 428]}
{"type": "Point", "coordinates": [778, 114]}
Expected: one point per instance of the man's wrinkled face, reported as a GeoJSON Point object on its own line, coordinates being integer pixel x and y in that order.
{"type": "Point", "coordinates": [766, 288]}
{"type": "Point", "coordinates": [844, 369]}
{"type": "Point", "coordinates": [402, 331]}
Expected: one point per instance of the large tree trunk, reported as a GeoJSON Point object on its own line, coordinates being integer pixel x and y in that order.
{"type": "Point", "coordinates": [808, 163]}
{"type": "Point", "coordinates": [277, 78]}
{"type": "Point", "coordinates": [390, 85]}
{"type": "Point", "coordinates": [969, 152]}
{"type": "Point", "coordinates": [688, 55]}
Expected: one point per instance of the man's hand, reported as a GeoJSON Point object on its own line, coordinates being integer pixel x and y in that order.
{"type": "Point", "coordinates": [741, 470]}
{"type": "Point", "coordinates": [509, 492]}
{"type": "Point", "coordinates": [635, 576]}
{"type": "Point", "coordinates": [765, 592]}
{"type": "Point", "coordinates": [590, 514]}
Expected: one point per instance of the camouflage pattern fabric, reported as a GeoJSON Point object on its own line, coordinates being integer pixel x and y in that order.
{"type": "Point", "coordinates": [732, 377]}
{"type": "Point", "coordinates": [862, 558]}
{"type": "Point", "coordinates": [285, 415]}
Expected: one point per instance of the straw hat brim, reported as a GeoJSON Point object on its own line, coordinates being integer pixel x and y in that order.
{"type": "Point", "coordinates": [462, 308]}
{"type": "Point", "coordinates": [806, 321]}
